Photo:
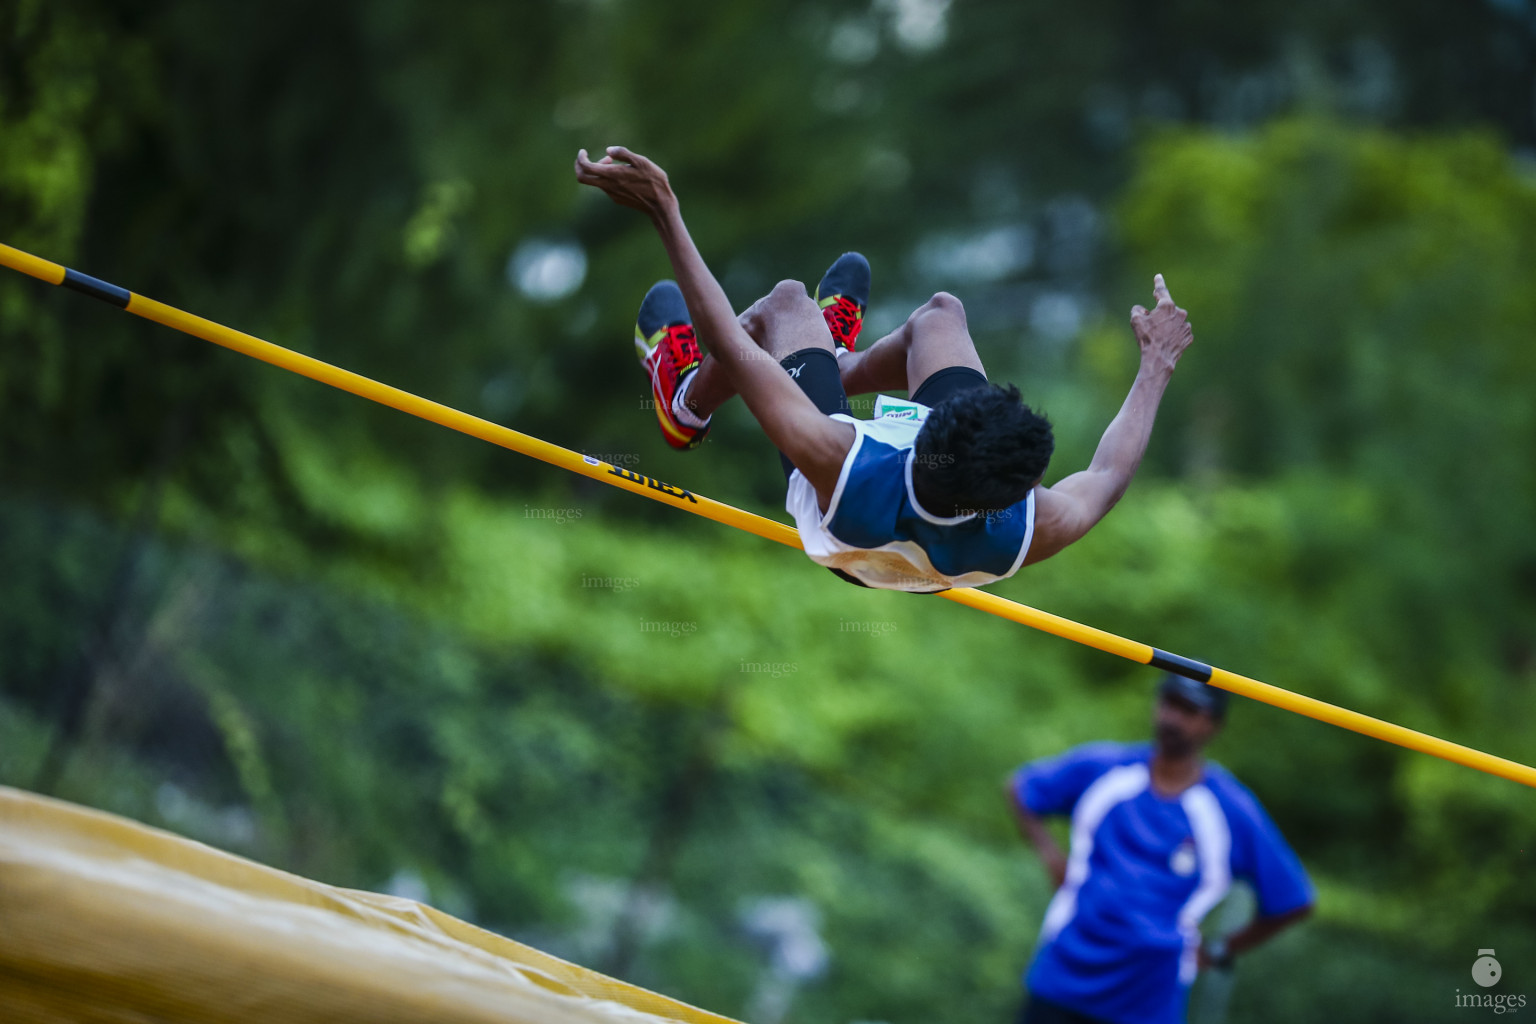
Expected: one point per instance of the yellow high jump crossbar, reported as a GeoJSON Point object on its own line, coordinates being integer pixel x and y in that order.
{"type": "Point", "coordinates": [678, 497]}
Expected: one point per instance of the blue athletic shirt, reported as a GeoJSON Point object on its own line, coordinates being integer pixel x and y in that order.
{"type": "Point", "coordinates": [875, 530]}
{"type": "Point", "coordinates": [1120, 938]}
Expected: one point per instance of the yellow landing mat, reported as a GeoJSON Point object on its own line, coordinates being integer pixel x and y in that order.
{"type": "Point", "coordinates": [106, 920]}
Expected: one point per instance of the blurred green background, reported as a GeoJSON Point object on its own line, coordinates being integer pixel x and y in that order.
{"type": "Point", "coordinates": [314, 631]}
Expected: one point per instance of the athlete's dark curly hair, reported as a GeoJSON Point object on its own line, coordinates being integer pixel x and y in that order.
{"type": "Point", "coordinates": [980, 451]}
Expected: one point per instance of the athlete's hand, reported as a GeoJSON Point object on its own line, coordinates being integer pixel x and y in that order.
{"type": "Point", "coordinates": [629, 179]}
{"type": "Point", "coordinates": [1164, 333]}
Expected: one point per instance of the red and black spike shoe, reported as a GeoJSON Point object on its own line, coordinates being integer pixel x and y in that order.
{"type": "Point", "coordinates": [843, 295]}
{"type": "Point", "coordinates": [668, 350]}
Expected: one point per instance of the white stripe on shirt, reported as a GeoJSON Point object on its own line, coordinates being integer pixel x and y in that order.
{"type": "Point", "coordinates": [1213, 847]}
{"type": "Point", "coordinates": [1114, 787]}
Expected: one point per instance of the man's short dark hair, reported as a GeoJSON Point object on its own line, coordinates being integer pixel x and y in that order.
{"type": "Point", "coordinates": [981, 450]}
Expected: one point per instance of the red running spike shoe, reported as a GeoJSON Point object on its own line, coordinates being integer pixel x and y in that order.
{"type": "Point", "coordinates": [669, 352]}
{"type": "Point", "coordinates": [843, 295]}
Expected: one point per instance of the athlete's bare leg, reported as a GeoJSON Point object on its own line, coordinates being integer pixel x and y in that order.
{"type": "Point", "coordinates": [934, 336]}
{"type": "Point", "coordinates": [783, 322]}
{"type": "Point", "coordinates": [787, 320]}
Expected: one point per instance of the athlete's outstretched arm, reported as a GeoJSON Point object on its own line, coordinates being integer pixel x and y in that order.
{"type": "Point", "coordinates": [1071, 508]}
{"type": "Point", "coordinates": [815, 443]}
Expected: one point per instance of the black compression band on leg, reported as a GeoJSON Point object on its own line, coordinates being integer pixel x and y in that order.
{"type": "Point", "coordinates": [945, 384]}
{"type": "Point", "coordinates": [816, 371]}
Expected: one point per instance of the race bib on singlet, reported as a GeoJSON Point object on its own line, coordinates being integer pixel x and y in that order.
{"type": "Point", "coordinates": [899, 408]}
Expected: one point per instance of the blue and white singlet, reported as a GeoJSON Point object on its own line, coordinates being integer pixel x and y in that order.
{"type": "Point", "coordinates": [875, 531]}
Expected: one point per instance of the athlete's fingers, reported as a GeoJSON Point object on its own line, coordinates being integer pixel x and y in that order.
{"type": "Point", "coordinates": [1160, 289]}
{"type": "Point", "coordinates": [602, 170]}
{"type": "Point", "coordinates": [595, 174]}
{"type": "Point", "coordinates": [626, 155]}
{"type": "Point", "coordinates": [586, 169]}
{"type": "Point", "coordinates": [586, 176]}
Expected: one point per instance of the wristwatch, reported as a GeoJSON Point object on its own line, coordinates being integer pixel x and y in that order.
{"type": "Point", "coordinates": [1219, 955]}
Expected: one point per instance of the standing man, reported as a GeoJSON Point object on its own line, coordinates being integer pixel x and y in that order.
{"type": "Point", "coordinates": [1158, 835]}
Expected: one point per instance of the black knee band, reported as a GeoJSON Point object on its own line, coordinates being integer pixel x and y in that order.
{"type": "Point", "coordinates": [815, 370]}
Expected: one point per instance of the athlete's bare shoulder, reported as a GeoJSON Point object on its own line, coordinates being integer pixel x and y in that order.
{"type": "Point", "coordinates": [1058, 522]}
